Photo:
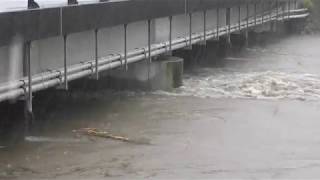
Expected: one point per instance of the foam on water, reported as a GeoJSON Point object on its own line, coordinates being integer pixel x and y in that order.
{"type": "Point", "coordinates": [224, 83]}
{"type": "Point", "coordinates": [35, 139]}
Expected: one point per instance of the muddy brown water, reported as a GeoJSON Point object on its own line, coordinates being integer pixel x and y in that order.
{"type": "Point", "coordinates": [256, 117]}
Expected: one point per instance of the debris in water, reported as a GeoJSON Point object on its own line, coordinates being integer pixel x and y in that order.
{"type": "Point", "coordinates": [104, 134]}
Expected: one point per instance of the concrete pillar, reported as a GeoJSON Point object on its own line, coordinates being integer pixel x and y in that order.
{"type": "Point", "coordinates": [224, 46]}
{"type": "Point", "coordinates": [238, 41]}
{"type": "Point", "coordinates": [294, 26]}
{"type": "Point", "coordinates": [212, 52]}
{"type": "Point", "coordinates": [13, 123]}
{"type": "Point", "coordinates": [252, 38]}
{"type": "Point", "coordinates": [209, 53]}
{"type": "Point", "coordinates": [165, 73]}
{"type": "Point", "coordinates": [187, 54]}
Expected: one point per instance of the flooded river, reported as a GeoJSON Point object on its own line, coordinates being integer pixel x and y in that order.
{"type": "Point", "coordinates": [254, 117]}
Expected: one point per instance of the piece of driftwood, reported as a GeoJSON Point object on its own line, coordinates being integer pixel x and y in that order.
{"type": "Point", "coordinates": [102, 134]}
{"type": "Point", "coordinates": [94, 132]}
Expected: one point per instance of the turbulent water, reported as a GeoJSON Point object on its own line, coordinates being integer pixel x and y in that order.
{"type": "Point", "coordinates": [262, 73]}
{"type": "Point", "coordinates": [228, 83]}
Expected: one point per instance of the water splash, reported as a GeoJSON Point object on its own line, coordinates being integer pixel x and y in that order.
{"type": "Point", "coordinates": [215, 83]}
{"type": "Point", "coordinates": [35, 139]}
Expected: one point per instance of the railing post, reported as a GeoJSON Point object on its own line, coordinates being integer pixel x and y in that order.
{"type": "Point", "coordinates": [255, 14]}
{"type": "Point", "coordinates": [125, 46]}
{"type": "Point", "coordinates": [29, 73]}
{"type": "Point", "coordinates": [248, 15]}
{"type": "Point", "coordinates": [289, 4]}
{"type": "Point", "coordinates": [149, 41]}
{"type": "Point", "coordinates": [205, 27]}
{"type": "Point", "coordinates": [247, 26]}
{"type": "Point", "coordinates": [270, 10]}
{"type": "Point", "coordinates": [65, 64]}
{"type": "Point", "coordinates": [239, 18]}
{"type": "Point", "coordinates": [218, 23]}
{"type": "Point", "coordinates": [277, 9]}
{"type": "Point", "coordinates": [190, 30]}
{"type": "Point", "coordinates": [170, 33]}
{"type": "Point", "coordinates": [228, 16]}
{"type": "Point", "coordinates": [149, 51]}
{"type": "Point", "coordinates": [96, 53]}
{"type": "Point", "coordinates": [263, 8]}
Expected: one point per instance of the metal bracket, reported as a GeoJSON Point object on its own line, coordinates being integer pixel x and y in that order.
{"type": "Point", "coordinates": [149, 40]}
{"type": "Point", "coordinates": [218, 23]}
{"type": "Point", "coordinates": [190, 30]}
{"type": "Point", "coordinates": [120, 58]}
{"type": "Point", "coordinates": [96, 53]}
{"type": "Point", "coordinates": [205, 27]}
{"type": "Point", "coordinates": [91, 67]}
{"type": "Point", "coordinates": [239, 18]}
{"type": "Point", "coordinates": [28, 61]}
{"type": "Point", "coordinates": [66, 85]}
{"type": "Point", "coordinates": [170, 33]}
{"type": "Point", "coordinates": [125, 46]}
{"type": "Point", "coordinates": [60, 76]}
{"type": "Point", "coordinates": [24, 88]}
{"type": "Point", "coordinates": [145, 53]}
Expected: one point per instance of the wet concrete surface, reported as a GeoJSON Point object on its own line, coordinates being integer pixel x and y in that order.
{"type": "Point", "coordinates": [186, 136]}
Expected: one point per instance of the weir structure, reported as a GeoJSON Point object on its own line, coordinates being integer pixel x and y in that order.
{"type": "Point", "coordinates": [43, 48]}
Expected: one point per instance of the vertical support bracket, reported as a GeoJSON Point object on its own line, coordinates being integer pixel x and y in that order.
{"type": "Point", "coordinates": [248, 16]}
{"type": "Point", "coordinates": [283, 11]}
{"type": "Point", "coordinates": [255, 14]}
{"type": "Point", "coordinates": [96, 55]}
{"type": "Point", "coordinates": [65, 64]}
{"type": "Point", "coordinates": [149, 51]}
{"type": "Point", "coordinates": [289, 4]}
{"type": "Point", "coordinates": [239, 18]}
{"type": "Point", "coordinates": [263, 10]}
{"type": "Point", "coordinates": [205, 27]}
{"type": "Point", "coordinates": [190, 30]}
{"type": "Point", "coordinates": [218, 23]}
{"type": "Point", "coordinates": [125, 46]}
{"type": "Point", "coordinates": [29, 107]}
{"type": "Point", "coordinates": [247, 25]}
{"type": "Point", "coordinates": [228, 16]}
{"type": "Point", "coordinates": [170, 33]}
{"type": "Point", "coordinates": [149, 41]}
{"type": "Point", "coordinates": [277, 10]}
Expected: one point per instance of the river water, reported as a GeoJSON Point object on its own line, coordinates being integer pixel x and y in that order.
{"type": "Point", "coordinates": [256, 116]}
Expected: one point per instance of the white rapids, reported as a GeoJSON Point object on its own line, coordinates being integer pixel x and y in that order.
{"type": "Point", "coordinates": [222, 83]}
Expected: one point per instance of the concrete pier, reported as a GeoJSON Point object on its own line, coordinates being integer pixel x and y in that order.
{"type": "Point", "coordinates": [164, 73]}
{"type": "Point", "coordinates": [14, 122]}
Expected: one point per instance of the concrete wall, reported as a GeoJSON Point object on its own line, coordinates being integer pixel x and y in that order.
{"type": "Point", "coordinates": [4, 56]}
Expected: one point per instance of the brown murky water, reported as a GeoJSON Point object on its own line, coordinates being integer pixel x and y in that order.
{"type": "Point", "coordinates": [257, 117]}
